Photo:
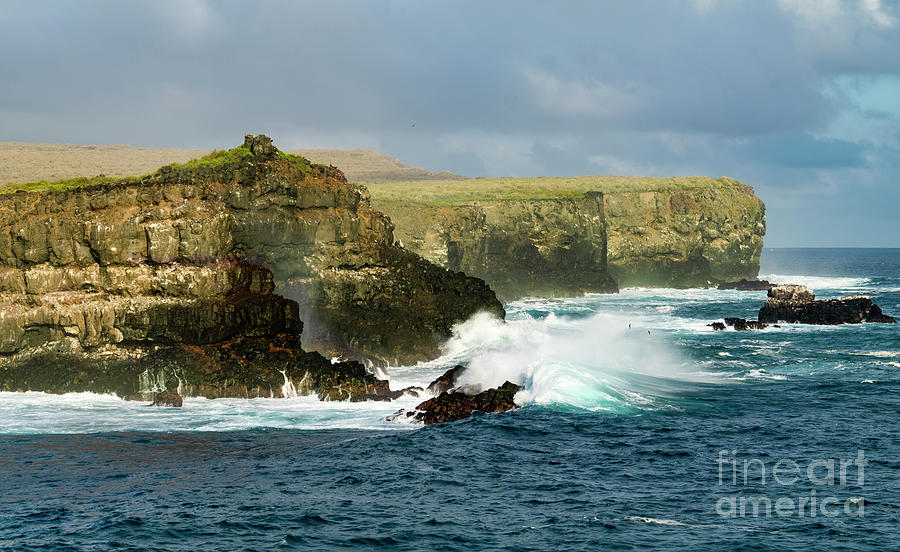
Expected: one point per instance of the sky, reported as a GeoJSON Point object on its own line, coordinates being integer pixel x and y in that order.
{"type": "Point", "coordinates": [798, 98]}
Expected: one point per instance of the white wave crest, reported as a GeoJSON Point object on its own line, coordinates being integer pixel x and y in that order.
{"type": "Point", "coordinates": [654, 521]}
{"type": "Point", "coordinates": [72, 413]}
{"type": "Point", "coordinates": [592, 362]}
{"type": "Point", "coordinates": [816, 283]}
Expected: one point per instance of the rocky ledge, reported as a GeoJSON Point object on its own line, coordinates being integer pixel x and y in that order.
{"type": "Point", "coordinates": [195, 279]}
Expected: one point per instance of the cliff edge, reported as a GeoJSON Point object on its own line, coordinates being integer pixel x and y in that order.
{"type": "Point", "coordinates": [209, 265]}
{"type": "Point", "coordinates": [558, 236]}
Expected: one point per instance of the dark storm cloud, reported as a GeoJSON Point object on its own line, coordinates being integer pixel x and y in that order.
{"type": "Point", "coordinates": [747, 89]}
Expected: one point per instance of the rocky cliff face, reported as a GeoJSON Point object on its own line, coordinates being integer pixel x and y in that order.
{"type": "Point", "coordinates": [198, 276]}
{"type": "Point", "coordinates": [589, 242]}
{"type": "Point", "coordinates": [690, 237]}
{"type": "Point", "coordinates": [522, 247]}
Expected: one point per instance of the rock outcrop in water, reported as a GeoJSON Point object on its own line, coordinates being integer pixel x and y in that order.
{"type": "Point", "coordinates": [798, 304]}
{"type": "Point", "coordinates": [747, 285]}
{"type": "Point", "coordinates": [446, 381]}
{"type": "Point", "coordinates": [451, 406]}
{"type": "Point", "coordinates": [739, 324]}
{"type": "Point", "coordinates": [593, 237]}
{"type": "Point", "coordinates": [197, 277]}
{"type": "Point", "coordinates": [168, 399]}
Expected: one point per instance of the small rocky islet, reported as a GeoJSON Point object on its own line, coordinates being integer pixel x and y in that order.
{"type": "Point", "coordinates": [797, 304]}
{"type": "Point", "coordinates": [200, 278]}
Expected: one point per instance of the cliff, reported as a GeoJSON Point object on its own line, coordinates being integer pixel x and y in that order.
{"type": "Point", "coordinates": [558, 236]}
{"type": "Point", "coordinates": [543, 247]}
{"type": "Point", "coordinates": [199, 276]}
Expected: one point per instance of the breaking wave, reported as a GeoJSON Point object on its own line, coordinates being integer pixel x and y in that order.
{"type": "Point", "coordinates": [817, 283]}
{"type": "Point", "coordinates": [595, 362]}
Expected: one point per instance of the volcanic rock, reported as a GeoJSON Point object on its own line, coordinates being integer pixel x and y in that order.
{"type": "Point", "coordinates": [447, 381]}
{"type": "Point", "coordinates": [452, 406]}
{"type": "Point", "coordinates": [198, 275]}
{"type": "Point", "coordinates": [747, 285]}
{"type": "Point", "coordinates": [797, 304]}
{"type": "Point", "coordinates": [167, 399]}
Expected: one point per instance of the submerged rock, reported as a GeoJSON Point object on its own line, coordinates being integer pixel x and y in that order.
{"type": "Point", "coordinates": [452, 406]}
{"type": "Point", "coordinates": [797, 304]}
{"type": "Point", "coordinates": [747, 285]}
{"type": "Point", "coordinates": [167, 399]}
{"type": "Point", "coordinates": [739, 324]}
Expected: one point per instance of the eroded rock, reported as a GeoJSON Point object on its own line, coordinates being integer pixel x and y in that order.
{"type": "Point", "coordinates": [447, 381]}
{"type": "Point", "coordinates": [797, 304]}
{"type": "Point", "coordinates": [168, 399]}
{"type": "Point", "coordinates": [452, 406]}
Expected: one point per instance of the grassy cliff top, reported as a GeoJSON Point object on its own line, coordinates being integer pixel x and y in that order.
{"type": "Point", "coordinates": [212, 160]}
{"type": "Point", "coordinates": [443, 192]}
{"type": "Point", "coordinates": [33, 167]}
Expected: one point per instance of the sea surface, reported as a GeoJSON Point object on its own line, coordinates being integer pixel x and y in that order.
{"type": "Point", "coordinates": [638, 427]}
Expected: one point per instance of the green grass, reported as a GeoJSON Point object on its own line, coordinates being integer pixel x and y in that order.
{"type": "Point", "coordinates": [454, 192]}
{"type": "Point", "coordinates": [298, 161]}
{"type": "Point", "coordinates": [57, 185]}
{"type": "Point", "coordinates": [214, 159]}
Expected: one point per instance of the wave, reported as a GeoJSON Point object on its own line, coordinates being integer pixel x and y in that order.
{"type": "Point", "coordinates": [594, 362]}
{"type": "Point", "coordinates": [761, 374]}
{"type": "Point", "coordinates": [654, 521]}
{"type": "Point", "coordinates": [819, 282]}
{"type": "Point", "coordinates": [879, 354]}
{"type": "Point", "coordinates": [79, 413]}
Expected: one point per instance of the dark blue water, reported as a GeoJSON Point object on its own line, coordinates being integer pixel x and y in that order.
{"type": "Point", "coordinates": [603, 456]}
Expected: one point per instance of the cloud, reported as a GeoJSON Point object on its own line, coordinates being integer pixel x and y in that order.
{"type": "Point", "coordinates": [803, 150]}
{"type": "Point", "coordinates": [791, 96]}
{"type": "Point", "coordinates": [578, 99]}
{"type": "Point", "coordinates": [877, 14]}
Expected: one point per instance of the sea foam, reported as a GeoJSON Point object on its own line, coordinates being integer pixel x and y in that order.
{"type": "Point", "coordinates": [588, 362]}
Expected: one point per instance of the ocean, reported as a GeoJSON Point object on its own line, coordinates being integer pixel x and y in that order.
{"type": "Point", "coordinates": [641, 429]}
